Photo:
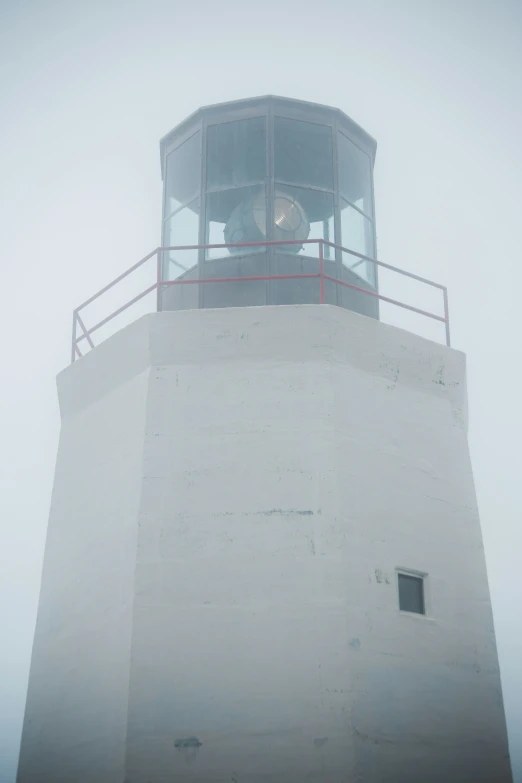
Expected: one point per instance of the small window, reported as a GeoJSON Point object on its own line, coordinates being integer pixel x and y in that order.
{"type": "Point", "coordinates": [411, 594]}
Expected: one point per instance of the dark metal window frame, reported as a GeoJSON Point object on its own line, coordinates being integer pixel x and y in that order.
{"type": "Point", "coordinates": [418, 577]}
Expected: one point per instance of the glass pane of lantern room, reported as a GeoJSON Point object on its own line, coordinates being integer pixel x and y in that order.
{"type": "Point", "coordinates": [182, 174]}
{"type": "Point", "coordinates": [181, 229]}
{"type": "Point", "coordinates": [355, 175]}
{"type": "Point", "coordinates": [236, 153]}
{"type": "Point", "coordinates": [303, 153]}
{"type": "Point", "coordinates": [357, 235]}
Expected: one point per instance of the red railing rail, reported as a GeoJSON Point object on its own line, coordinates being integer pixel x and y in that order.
{"type": "Point", "coordinates": [320, 275]}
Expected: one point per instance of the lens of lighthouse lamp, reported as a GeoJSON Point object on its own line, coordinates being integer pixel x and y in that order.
{"type": "Point", "coordinates": [247, 222]}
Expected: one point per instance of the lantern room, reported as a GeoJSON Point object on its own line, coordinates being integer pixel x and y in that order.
{"type": "Point", "coordinates": [239, 178]}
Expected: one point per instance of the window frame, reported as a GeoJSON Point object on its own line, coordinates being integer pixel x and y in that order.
{"type": "Point", "coordinates": [206, 223]}
{"type": "Point", "coordinates": [420, 576]}
{"type": "Point", "coordinates": [306, 185]}
{"type": "Point", "coordinates": [221, 118]}
{"type": "Point", "coordinates": [171, 151]}
{"type": "Point", "coordinates": [208, 126]}
{"type": "Point", "coordinates": [187, 136]}
{"type": "Point", "coordinates": [371, 277]}
{"type": "Point", "coordinates": [369, 215]}
{"type": "Point", "coordinates": [166, 257]}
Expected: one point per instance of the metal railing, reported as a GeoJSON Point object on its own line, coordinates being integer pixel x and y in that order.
{"type": "Point", "coordinates": [321, 276]}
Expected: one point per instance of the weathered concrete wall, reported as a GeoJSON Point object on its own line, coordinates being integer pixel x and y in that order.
{"type": "Point", "coordinates": [76, 715]}
{"type": "Point", "coordinates": [290, 460]}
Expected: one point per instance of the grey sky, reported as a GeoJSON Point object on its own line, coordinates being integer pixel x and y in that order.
{"type": "Point", "coordinates": [88, 88]}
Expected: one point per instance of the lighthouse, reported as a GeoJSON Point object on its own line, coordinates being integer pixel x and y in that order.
{"type": "Point", "coordinates": [264, 561]}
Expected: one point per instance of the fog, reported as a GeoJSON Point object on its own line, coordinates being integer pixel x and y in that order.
{"type": "Point", "coordinates": [88, 88]}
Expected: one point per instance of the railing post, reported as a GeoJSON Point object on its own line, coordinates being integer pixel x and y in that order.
{"type": "Point", "coordinates": [321, 272]}
{"type": "Point", "coordinates": [73, 344]}
{"type": "Point", "coordinates": [446, 316]}
{"type": "Point", "coordinates": [159, 255]}
{"type": "Point", "coordinates": [82, 326]}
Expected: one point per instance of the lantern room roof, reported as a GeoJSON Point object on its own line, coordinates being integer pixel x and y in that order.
{"type": "Point", "coordinates": [304, 110]}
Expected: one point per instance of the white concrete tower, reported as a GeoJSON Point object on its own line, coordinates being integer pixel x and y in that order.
{"type": "Point", "coordinates": [264, 561]}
